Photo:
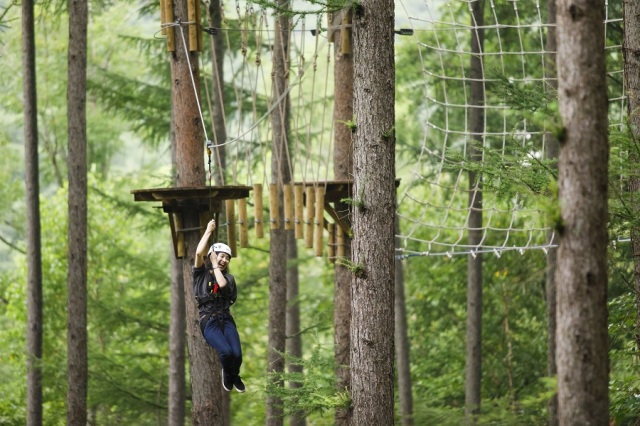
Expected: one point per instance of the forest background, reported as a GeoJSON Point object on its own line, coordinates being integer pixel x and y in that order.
{"type": "Point", "coordinates": [129, 249]}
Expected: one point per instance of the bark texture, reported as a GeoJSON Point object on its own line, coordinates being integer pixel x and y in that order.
{"type": "Point", "coordinates": [631, 50]}
{"type": "Point", "coordinates": [473, 364]}
{"type": "Point", "coordinates": [204, 367]}
{"type": "Point", "coordinates": [32, 195]}
{"type": "Point", "coordinates": [219, 154]}
{"type": "Point", "coordinates": [280, 175]}
{"type": "Point", "coordinates": [402, 343]}
{"type": "Point", "coordinates": [293, 338]}
{"type": "Point", "coordinates": [342, 170]}
{"type": "Point", "coordinates": [372, 382]}
{"type": "Point", "coordinates": [581, 275]}
{"type": "Point", "coordinates": [77, 368]}
{"type": "Point", "coordinates": [177, 344]}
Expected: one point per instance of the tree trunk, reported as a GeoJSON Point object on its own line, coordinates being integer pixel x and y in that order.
{"type": "Point", "coordinates": [473, 366]}
{"type": "Point", "coordinates": [218, 157]}
{"type": "Point", "coordinates": [206, 387]}
{"type": "Point", "coordinates": [177, 325]}
{"type": "Point", "coordinates": [581, 275]}
{"type": "Point", "coordinates": [77, 369]}
{"type": "Point", "coordinates": [32, 195]}
{"type": "Point", "coordinates": [373, 222]}
{"type": "Point", "coordinates": [293, 337]}
{"type": "Point", "coordinates": [632, 86]}
{"type": "Point", "coordinates": [402, 343]}
{"type": "Point", "coordinates": [342, 170]}
{"type": "Point", "coordinates": [177, 342]}
{"type": "Point", "coordinates": [551, 152]}
{"type": "Point", "coordinates": [280, 175]}
{"type": "Point", "coordinates": [219, 154]}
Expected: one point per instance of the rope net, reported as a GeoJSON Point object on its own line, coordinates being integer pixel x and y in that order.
{"type": "Point", "coordinates": [436, 102]}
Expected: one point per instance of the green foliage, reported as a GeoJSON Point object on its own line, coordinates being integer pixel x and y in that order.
{"type": "Point", "coordinates": [315, 390]}
{"type": "Point", "coordinates": [351, 124]}
{"type": "Point", "coordinates": [356, 269]}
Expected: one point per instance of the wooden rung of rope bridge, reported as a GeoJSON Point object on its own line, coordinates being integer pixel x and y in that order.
{"type": "Point", "coordinates": [304, 206]}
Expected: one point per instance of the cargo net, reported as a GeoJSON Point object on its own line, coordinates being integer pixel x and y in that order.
{"type": "Point", "coordinates": [435, 90]}
{"type": "Point", "coordinates": [520, 120]}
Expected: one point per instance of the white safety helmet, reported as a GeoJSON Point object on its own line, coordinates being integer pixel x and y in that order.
{"type": "Point", "coordinates": [220, 248]}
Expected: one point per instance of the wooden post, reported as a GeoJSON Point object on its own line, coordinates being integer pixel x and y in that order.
{"type": "Point", "coordinates": [242, 218]}
{"type": "Point", "coordinates": [273, 205]}
{"type": "Point", "coordinates": [230, 208]}
{"type": "Point", "coordinates": [311, 197]}
{"type": "Point", "coordinates": [192, 15]}
{"type": "Point", "coordinates": [331, 244]}
{"type": "Point", "coordinates": [288, 206]}
{"type": "Point", "coordinates": [319, 221]}
{"type": "Point", "coordinates": [345, 32]}
{"type": "Point", "coordinates": [298, 196]}
{"type": "Point", "coordinates": [177, 226]}
{"type": "Point", "coordinates": [163, 17]}
{"type": "Point", "coordinates": [257, 199]}
{"type": "Point", "coordinates": [340, 241]}
{"type": "Point", "coordinates": [168, 16]}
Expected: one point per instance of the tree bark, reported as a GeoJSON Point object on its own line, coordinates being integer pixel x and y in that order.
{"type": "Point", "coordinates": [342, 170]}
{"type": "Point", "coordinates": [280, 175]}
{"type": "Point", "coordinates": [77, 368]}
{"type": "Point", "coordinates": [206, 387]}
{"type": "Point", "coordinates": [581, 275]}
{"type": "Point", "coordinates": [177, 342]}
{"type": "Point", "coordinates": [218, 157]}
{"type": "Point", "coordinates": [473, 366]}
{"type": "Point", "coordinates": [631, 48]}
{"type": "Point", "coordinates": [293, 338]}
{"type": "Point", "coordinates": [219, 154]}
{"type": "Point", "coordinates": [177, 325]}
{"type": "Point", "coordinates": [551, 152]}
{"type": "Point", "coordinates": [402, 342]}
{"type": "Point", "coordinates": [77, 374]}
{"type": "Point", "coordinates": [32, 195]}
{"type": "Point", "coordinates": [372, 309]}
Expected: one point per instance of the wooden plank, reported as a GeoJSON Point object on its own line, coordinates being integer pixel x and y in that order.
{"type": "Point", "coordinates": [242, 221]}
{"type": "Point", "coordinates": [298, 196]}
{"type": "Point", "coordinates": [259, 222]}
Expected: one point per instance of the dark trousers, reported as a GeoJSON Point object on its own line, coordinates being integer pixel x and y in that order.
{"type": "Point", "coordinates": [222, 335]}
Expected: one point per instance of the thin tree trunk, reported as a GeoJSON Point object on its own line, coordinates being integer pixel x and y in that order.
{"type": "Point", "coordinates": [402, 343]}
{"type": "Point", "coordinates": [342, 170]}
{"type": "Point", "coordinates": [219, 154]}
{"type": "Point", "coordinates": [77, 364]}
{"type": "Point", "coordinates": [206, 387]}
{"type": "Point", "coordinates": [177, 326]}
{"type": "Point", "coordinates": [581, 275]}
{"type": "Point", "coordinates": [280, 175]}
{"type": "Point", "coordinates": [218, 158]}
{"type": "Point", "coordinates": [177, 342]}
{"type": "Point", "coordinates": [293, 339]}
{"type": "Point", "coordinates": [474, 266]}
{"type": "Point", "coordinates": [372, 384]}
{"type": "Point", "coordinates": [32, 195]}
{"type": "Point", "coordinates": [631, 47]}
{"type": "Point", "coordinates": [551, 152]}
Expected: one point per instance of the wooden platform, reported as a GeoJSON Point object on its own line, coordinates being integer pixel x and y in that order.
{"type": "Point", "coordinates": [208, 200]}
{"type": "Point", "coordinates": [203, 197]}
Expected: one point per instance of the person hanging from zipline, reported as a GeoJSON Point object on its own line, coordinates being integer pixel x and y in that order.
{"type": "Point", "coordinates": [215, 291]}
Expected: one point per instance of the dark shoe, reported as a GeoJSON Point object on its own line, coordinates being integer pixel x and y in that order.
{"type": "Point", "coordinates": [238, 384]}
{"type": "Point", "coordinates": [227, 381]}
